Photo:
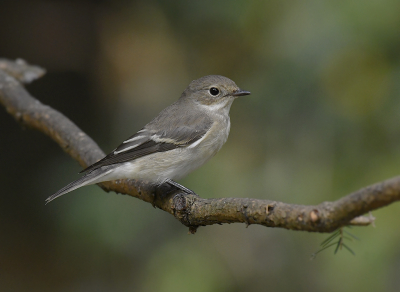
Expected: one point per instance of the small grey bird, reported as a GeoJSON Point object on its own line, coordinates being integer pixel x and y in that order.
{"type": "Point", "coordinates": [180, 139]}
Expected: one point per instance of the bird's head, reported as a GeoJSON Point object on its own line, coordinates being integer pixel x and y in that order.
{"type": "Point", "coordinates": [213, 91]}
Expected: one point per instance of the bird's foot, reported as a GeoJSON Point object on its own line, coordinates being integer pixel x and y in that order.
{"type": "Point", "coordinates": [181, 187]}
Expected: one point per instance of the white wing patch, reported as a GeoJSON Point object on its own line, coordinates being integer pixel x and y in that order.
{"type": "Point", "coordinates": [134, 139]}
{"type": "Point", "coordinates": [158, 139]}
{"type": "Point", "coordinates": [126, 149]}
{"type": "Point", "coordinates": [198, 141]}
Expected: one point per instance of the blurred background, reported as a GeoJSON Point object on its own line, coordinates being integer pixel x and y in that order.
{"type": "Point", "coordinates": [322, 121]}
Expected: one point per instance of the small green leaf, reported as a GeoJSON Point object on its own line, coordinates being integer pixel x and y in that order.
{"type": "Point", "coordinates": [349, 249]}
{"type": "Point", "coordinates": [352, 235]}
{"type": "Point", "coordinates": [339, 244]}
{"type": "Point", "coordinates": [317, 252]}
{"type": "Point", "coordinates": [330, 238]}
{"type": "Point", "coordinates": [346, 237]}
{"type": "Point", "coordinates": [343, 235]}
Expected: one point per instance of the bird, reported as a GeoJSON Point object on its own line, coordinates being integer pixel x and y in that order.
{"type": "Point", "coordinates": [181, 138]}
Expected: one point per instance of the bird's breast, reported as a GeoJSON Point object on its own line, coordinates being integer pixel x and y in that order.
{"type": "Point", "coordinates": [213, 140]}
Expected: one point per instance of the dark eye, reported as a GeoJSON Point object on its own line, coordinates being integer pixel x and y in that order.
{"type": "Point", "coordinates": [214, 91]}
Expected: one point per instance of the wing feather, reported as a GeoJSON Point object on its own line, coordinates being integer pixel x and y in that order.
{"type": "Point", "coordinates": [160, 135]}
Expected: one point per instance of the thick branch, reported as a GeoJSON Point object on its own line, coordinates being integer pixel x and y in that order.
{"type": "Point", "coordinates": [191, 210]}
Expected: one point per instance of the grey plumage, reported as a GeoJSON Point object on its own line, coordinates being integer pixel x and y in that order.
{"type": "Point", "coordinates": [84, 180]}
{"type": "Point", "coordinates": [164, 133]}
{"type": "Point", "coordinates": [181, 138]}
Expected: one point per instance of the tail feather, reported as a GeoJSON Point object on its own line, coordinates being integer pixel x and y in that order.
{"type": "Point", "coordinates": [88, 179]}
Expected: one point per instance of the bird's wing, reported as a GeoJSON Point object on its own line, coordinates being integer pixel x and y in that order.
{"type": "Point", "coordinates": [158, 136]}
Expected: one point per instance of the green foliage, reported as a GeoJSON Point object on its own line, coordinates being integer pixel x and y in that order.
{"type": "Point", "coordinates": [340, 236]}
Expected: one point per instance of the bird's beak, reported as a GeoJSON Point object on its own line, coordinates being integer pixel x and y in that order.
{"type": "Point", "coordinates": [240, 92]}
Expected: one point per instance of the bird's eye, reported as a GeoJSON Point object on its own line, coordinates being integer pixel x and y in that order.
{"type": "Point", "coordinates": [214, 91]}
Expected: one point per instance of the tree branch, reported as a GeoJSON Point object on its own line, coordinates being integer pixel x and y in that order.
{"type": "Point", "coordinates": [190, 210]}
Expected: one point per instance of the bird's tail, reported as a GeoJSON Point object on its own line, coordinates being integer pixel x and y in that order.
{"type": "Point", "coordinates": [88, 179]}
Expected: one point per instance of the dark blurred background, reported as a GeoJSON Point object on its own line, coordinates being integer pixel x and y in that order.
{"type": "Point", "coordinates": [322, 121]}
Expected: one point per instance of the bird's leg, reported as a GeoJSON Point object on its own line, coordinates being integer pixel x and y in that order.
{"type": "Point", "coordinates": [160, 192]}
{"type": "Point", "coordinates": [181, 187]}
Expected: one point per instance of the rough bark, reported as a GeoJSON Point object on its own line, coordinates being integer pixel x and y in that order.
{"type": "Point", "coordinates": [190, 210]}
